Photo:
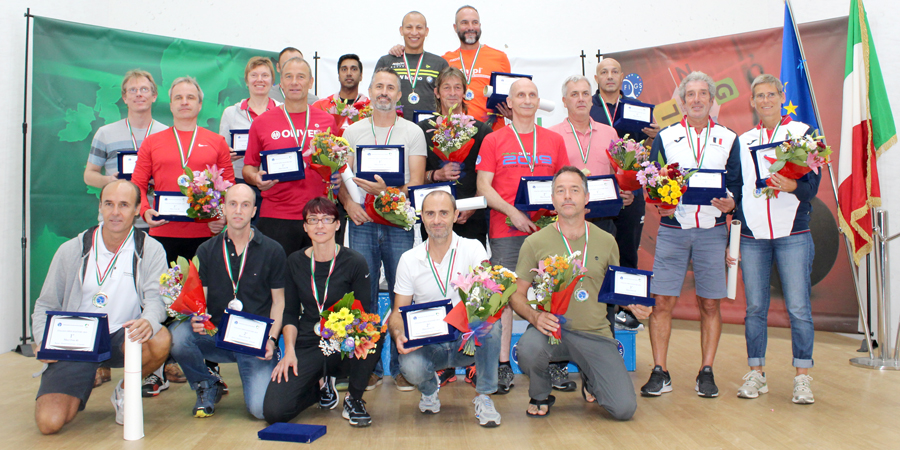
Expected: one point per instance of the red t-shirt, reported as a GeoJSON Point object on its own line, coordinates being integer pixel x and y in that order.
{"type": "Point", "coordinates": [489, 60]}
{"type": "Point", "coordinates": [501, 155]}
{"type": "Point", "coordinates": [327, 103]}
{"type": "Point", "coordinates": [271, 131]}
{"type": "Point", "coordinates": [158, 159]}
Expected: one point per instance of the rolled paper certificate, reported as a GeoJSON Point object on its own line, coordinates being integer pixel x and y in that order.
{"type": "Point", "coordinates": [466, 204]}
{"type": "Point", "coordinates": [546, 105]}
{"type": "Point", "coordinates": [734, 243]}
{"type": "Point", "coordinates": [134, 409]}
{"type": "Point", "coordinates": [350, 185]}
{"type": "Point", "coordinates": [488, 90]}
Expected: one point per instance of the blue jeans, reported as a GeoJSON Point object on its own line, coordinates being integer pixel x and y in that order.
{"type": "Point", "coordinates": [794, 256]}
{"type": "Point", "coordinates": [190, 349]}
{"type": "Point", "coordinates": [381, 244]}
{"type": "Point", "coordinates": [419, 366]}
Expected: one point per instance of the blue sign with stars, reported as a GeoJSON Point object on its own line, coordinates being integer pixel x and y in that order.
{"type": "Point", "coordinates": [632, 85]}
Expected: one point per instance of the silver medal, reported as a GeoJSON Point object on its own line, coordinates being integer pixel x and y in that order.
{"type": "Point", "coordinates": [318, 329]}
{"type": "Point", "coordinates": [100, 300]}
{"type": "Point", "coordinates": [581, 295]}
{"type": "Point", "coordinates": [413, 98]}
{"type": "Point", "coordinates": [470, 95]}
{"type": "Point", "coordinates": [236, 305]}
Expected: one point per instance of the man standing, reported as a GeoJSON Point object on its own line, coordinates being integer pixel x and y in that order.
{"type": "Point", "coordinates": [349, 75]}
{"type": "Point", "coordinates": [693, 234]}
{"type": "Point", "coordinates": [240, 269]}
{"type": "Point", "coordinates": [383, 243]}
{"type": "Point", "coordinates": [277, 92]}
{"type": "Point", "coordinates": [507, 155]}
{"type": "Point", "coordinates": [281, 214]}
{"type": "Point", "coordinates": [88, 275]}
{"type": "Point", "coordinates": [424, 276]}
{"type": "Point", "coordinates": [416, 68]}
{"type": "Point", "coordinates": [586, 333]}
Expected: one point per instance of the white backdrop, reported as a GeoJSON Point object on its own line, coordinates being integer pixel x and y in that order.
{"type": "Point", "coordinates": [532, 30]}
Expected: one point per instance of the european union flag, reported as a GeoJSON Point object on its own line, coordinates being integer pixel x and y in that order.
{"type": "Point", "coordinates": [797, 99]}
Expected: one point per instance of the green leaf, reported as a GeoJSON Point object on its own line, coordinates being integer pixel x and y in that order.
{"type": "Point", "coordinates": [776, 166]}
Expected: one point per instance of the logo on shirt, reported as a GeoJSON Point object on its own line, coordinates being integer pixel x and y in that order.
{"type": "Point", "coordinates": [718, 141]}
{"type": "Point", "coordinates": [680, 138]}
{"type": "Point", "coordinates": [478, 160]}
{"type": "Point", "coordinates": [522, 160]}
{"type": "Point", "coordinates": [276, 135]}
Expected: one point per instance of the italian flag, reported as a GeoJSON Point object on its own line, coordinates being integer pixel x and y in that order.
{"type": "Point", "coordinates": [867, 130]}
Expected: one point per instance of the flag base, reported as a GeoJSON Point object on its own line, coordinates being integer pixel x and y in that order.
{"type": "Point", "coordinates": [876, 363]}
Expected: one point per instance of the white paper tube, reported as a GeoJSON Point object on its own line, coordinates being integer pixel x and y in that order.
{"type": "Point", "coordinates": [134, 409]}
{"type": "Point", "coordinates": [488, 90]}
{"type": "Point", "coordinates": [350, 185]}
{"type": "Point", "coordinates": [546, 105]}
{"type": "Point", "coordinates": [733, 251]}
{"type": "Point", "coordinates": [467, 204]}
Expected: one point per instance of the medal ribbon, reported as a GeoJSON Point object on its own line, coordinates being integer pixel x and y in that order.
{"type": "Point", "coordinates": [606, 111]}
{"type": "Point", "coordinates": [235, 284]}
{"type": "Point", "coordinates": [102, 276]}
{"type": "Point", "coordinates": [312, 278]}
{"type": "Point", "coordinates": [587, 237]}
{"type": "Point", "coordinates": [471, 72]}
{"type": "Point", "coordinates": [584, 154]}
{"type": "Point", "coordinates": [294, 129]}
{"type": "Point", "coordinates": [131, 133]}
{"type": "Point", "coordinates": [387, 140]}
{"type": "Point", "coordinates": [184, 160]}
{"type": "Point", "coordinates": [437, 277]}
{"type": "Point", "coordinates": [413, 80]}
{"type": "Point", "coordinates": [533, 160]}
{"type": "Point", "coordinates": [698, 156]}
{"type": "Point", "coordinates": [762, 132]}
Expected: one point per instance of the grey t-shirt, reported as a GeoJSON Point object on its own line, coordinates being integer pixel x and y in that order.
{"type": "Point", "coordinates": [405, 133]}
{"type": "Point", "coordinates": [431, 67]}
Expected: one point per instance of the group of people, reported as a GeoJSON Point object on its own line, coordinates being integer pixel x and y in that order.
{"type": "Point", "coordinates": [279, 243]}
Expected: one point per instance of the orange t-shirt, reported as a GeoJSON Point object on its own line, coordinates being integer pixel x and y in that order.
{"type": "Point", "coordinates": [489, 60]}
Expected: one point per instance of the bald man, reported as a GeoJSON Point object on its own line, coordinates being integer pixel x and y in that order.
{"type": "Point", "coordinates": [523, 149]}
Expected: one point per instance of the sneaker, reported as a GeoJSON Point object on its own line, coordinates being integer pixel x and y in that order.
{"type": "Point", "coordinates": [174, 373]}
{"type": "Point", "coordinates": [328, 396]}
{"type": "Point", "coordinates": [342, 384]}
{"type": "Point", "coordinates": [505, 378]}
{"type": "Point", "coordinates": [153, 385]}
{"type": "Point", "coordinates": [802, 393]}
{"type": "Point", "coordinates": [446, 376]}
{"type": "Point", "coordinates": [401, 384]}
{"type": "Point", "coordinates": [430, 404]}
{"type": "Point", "coordinates": [559, 377]}
{"type": "Point", "coordinates": [484, 410]}
{"type": "Point", "coordinates": [118, 401]}
{"type": "Point", "coordinates": [213, 369]}
{"type": "Point", "coordinates": [374, 382]}
{"type": "Point", "coordinates": [660, 382]}
{"type": "Point", "coordinates": [625, 320]}
{"type": "Point", "coordinates": [207, 397]}
{"type": "Point", "coordinates": [355, 412]}
{"type": "Point", "coordinates": [471, 375]}
{"type": "Point", "coordinates": [706, 383]}
{"type": "Point", "coordinates": [754, 384]}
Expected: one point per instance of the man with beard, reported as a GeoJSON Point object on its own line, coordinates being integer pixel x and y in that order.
{"type": "Point", "coordinates": [350, 71]}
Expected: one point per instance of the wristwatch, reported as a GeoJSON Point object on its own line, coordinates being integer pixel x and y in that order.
{"type": "Point", "coordinates": [275, 340]}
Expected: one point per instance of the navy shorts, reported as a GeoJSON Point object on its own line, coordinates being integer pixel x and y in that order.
{"type": "Point", "coordinates": [76, 378]}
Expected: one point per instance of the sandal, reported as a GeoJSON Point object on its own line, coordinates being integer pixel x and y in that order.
{"type": "Point", "coordinates": [548, 403]}
{"type": "Point", "coordinates": [584, 390]}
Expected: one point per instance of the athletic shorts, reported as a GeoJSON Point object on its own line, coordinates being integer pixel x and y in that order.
{"type": "Point", "coordinates": [703, 247]}
{"type": "Point", "coordinates": [76, 378]}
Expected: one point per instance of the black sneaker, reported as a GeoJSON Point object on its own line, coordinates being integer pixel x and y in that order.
{"type": "Point", "coordinates": [355, 412]}
{"type": "Point", "coordinates": [660, 382]}
{"type": "Point", "coordinates": [207, 397]}
{"type": "Point", "coordinates": [625, 320]}
{"type": "Point", "coordinates": [153, 385]}
{"type": "Point", "coordinates": [559, 377]}
{"type": "Point", "coordinates": [706, 383]}
{"type": "Point", "coordinates": [446, 376]}
{"type": "Point", "coordinates": [471, 375]}
{"type": "Point", "coordinates": [328, 396]}
{"type": "Point", "coordinates": [220, 382]}
{"type": "Point", "coordinates": [505, 378]}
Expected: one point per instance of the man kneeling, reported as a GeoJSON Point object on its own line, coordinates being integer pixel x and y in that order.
{"type": "Point", "coordinates": [423, 275]}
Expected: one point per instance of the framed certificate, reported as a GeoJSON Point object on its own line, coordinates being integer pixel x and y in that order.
{"type": "Point", "coordinates": [604, 196]}
{"type": "Point", "coordinates": [386, 161]}
{"type": "Point", "coordinates": [172, 206]}
{"type": "Point", "coordinates": [284, 164]}
{"type": "Point", "coordinates": [703, 186]}
{"type": "Point", "coordinates": [420, 115]}
{"type": "Point", "coordinates": [418, 193]}
{"type": "Point", "coordinates": [626, 286]}
{"type": "Point", "coordinates": [239, 141]}
{"type": "Point", "coordinates": [500, 84]}
{"type": "Point", "coordinates": [762, 155]}
{"type": "Point", "coordinates": [633, 116]}
{"type": "Point", "coordinates": [534, 193]}
{"type": "Point", "coordinates": [243, 332]}
{"type": "Point", "coordinates": [127, 159]}
{"type": "Point", "coordinates": [75, 336]}
{"type": "Point", "coordinates": [424, 323]}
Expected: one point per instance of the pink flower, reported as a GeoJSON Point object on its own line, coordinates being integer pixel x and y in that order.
{"type": "Point", "coordinates": [464, 281]}
{"type": "Point", "coordinates": [491, 285]}
{"type": "Point", "coordinates": [814, 161]}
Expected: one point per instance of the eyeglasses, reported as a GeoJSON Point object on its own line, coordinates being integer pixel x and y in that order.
{"type": "Point", "coordinates": [765, 96]}
{"type": "Point", "coordinates": [142, 90]}
{"type": "Point", "coordinates": [315, 220]}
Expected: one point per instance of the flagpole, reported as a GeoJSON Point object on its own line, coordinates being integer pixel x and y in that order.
{"type": "Point", "coordinates": [834, 187]}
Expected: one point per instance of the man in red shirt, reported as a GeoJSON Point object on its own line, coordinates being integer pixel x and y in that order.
{"type": "Point", "coordinates": [281, 216]}
{"type": "Point", "coordinates": [349, 76]}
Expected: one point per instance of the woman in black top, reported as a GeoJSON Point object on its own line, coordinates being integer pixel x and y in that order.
{"type": "Point", "coordinates": [338, 270]}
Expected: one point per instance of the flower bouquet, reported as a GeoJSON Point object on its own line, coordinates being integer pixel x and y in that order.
{"type": "Point", "coordinates": [182, 292]}
{"type": "Point", "coordinates": [627, 155]}
{"type": "Point", "coordinates": [796, 157]}
{"type": "Point", "coordinates": [557, 277]}
{"type": "Point", "coordinates": [205, 191]}
{"type": "Point", "coordinates": [452, 139]}
{"type": "Point", "coordinates": [391, 207]}
{"type": "Point", "coordinates": [329, 154]}
{"type": "Point", "coordinates": [348, 329]}
{"type": "Point", "coordinates": [542, 218]}
{"type": "Point", "coordinates": [664, 183]}
{"type": "Point", "coordinates": [484, 291]}
{"type": "Point", "coordinates": [346, 113]}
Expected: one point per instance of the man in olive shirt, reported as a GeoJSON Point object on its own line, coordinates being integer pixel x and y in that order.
{"type": "Point", "coordinates": [586, 336]}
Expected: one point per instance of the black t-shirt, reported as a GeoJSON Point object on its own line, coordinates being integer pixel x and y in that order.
{"type": "Point", "coordinates": [351, 274]}
{"type": "Point", "coordinates": [263, 271]}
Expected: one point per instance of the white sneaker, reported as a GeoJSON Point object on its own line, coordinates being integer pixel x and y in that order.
{"type": "Point", "coordinates": [118, 401]}
{"type": "Point", "coordinates": [430, 403]}
{"type": "Point", "coordinates": [754, 384]}
{"type": "Point", "coordinates": [802, 393]}
{"type": "Point", "coordinates": [485, 412]}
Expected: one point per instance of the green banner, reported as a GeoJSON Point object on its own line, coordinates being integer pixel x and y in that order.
{"type": "Point", "coordinates": [76, 89]}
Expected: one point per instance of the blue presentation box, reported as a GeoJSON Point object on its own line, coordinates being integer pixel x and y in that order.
{"type": "Point", "coordinates": [420, 115]}
{"type": "Point", "coordinates": [418, 193]}
{"type": "Point", "coordinates": [394, 178]}
{"type": "Point", "coordinates": [239, 139]}
{"type": "Point", "coordinates": [500, 82]}
{"type": "Point", "coordinates": [695, 195]}
{"type": "Point", "coordinates": [126, 159]}
{"type": "Point", "coordinates": [452, 333]}
{"type": "Point", "coordinates": [632, 126]}
{"type": "Point", "coordinates": [100, 351]}
{"type": "Point", "coordinates": [264, 324]}
{"type": "Point", "coordinates": [606, 207]}
{"type": "Point", "coordinates": [615, 291]}
{"type": "Point", "coordinates": [760, 165]}
{"type": "Point", "coordinates": [170, 217]}
{"type": "Point", "coordinates": [292, 175]}
{"type": "Point", "coordinates": [292, 432]}
{"type": "Point", "coordinates": [525, 200]}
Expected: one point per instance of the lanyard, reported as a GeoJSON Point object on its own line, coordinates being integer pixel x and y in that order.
{"type": "Point", "coordinates": [606, 111]}
{"type": "Point", "coordinates": [698, 156]}
{"type": "Point", "coordinates": [184, 160]}
{"type": "Point", "coordinates": [294, 129]}
{"type": "Point", "coordinates": [762, 132]}
{"type": "Point", "coordinates": [312, 278]}
{"type": "Point", "coordinates": [102, 276]}
{"type": "Point", "coordinates": [533, 161]}
{"type": "Point", "coordinates": [235, 284]}
{"type": "Point", "coordinates": [413, 80]}
{"type": "Point", "coordinates": [131, 133]}
{"type": "Point", "coordinates": [387, 140]}
{"type": "Point", "coordinates": [584, 154]}
{"type": "Point", "coordinates": [469, 73]}
{"type": "Point", "coordinates": [437, 277]}
{"type": "Point", "coordinates": [587, 237]}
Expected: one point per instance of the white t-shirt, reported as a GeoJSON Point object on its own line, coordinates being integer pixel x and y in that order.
{"type": "Point", "coordinates": [122, 302]}
{"type": "Point", "coordinates": [416, 277]}
{"type": "Point", "coordinates": [404, 133]}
